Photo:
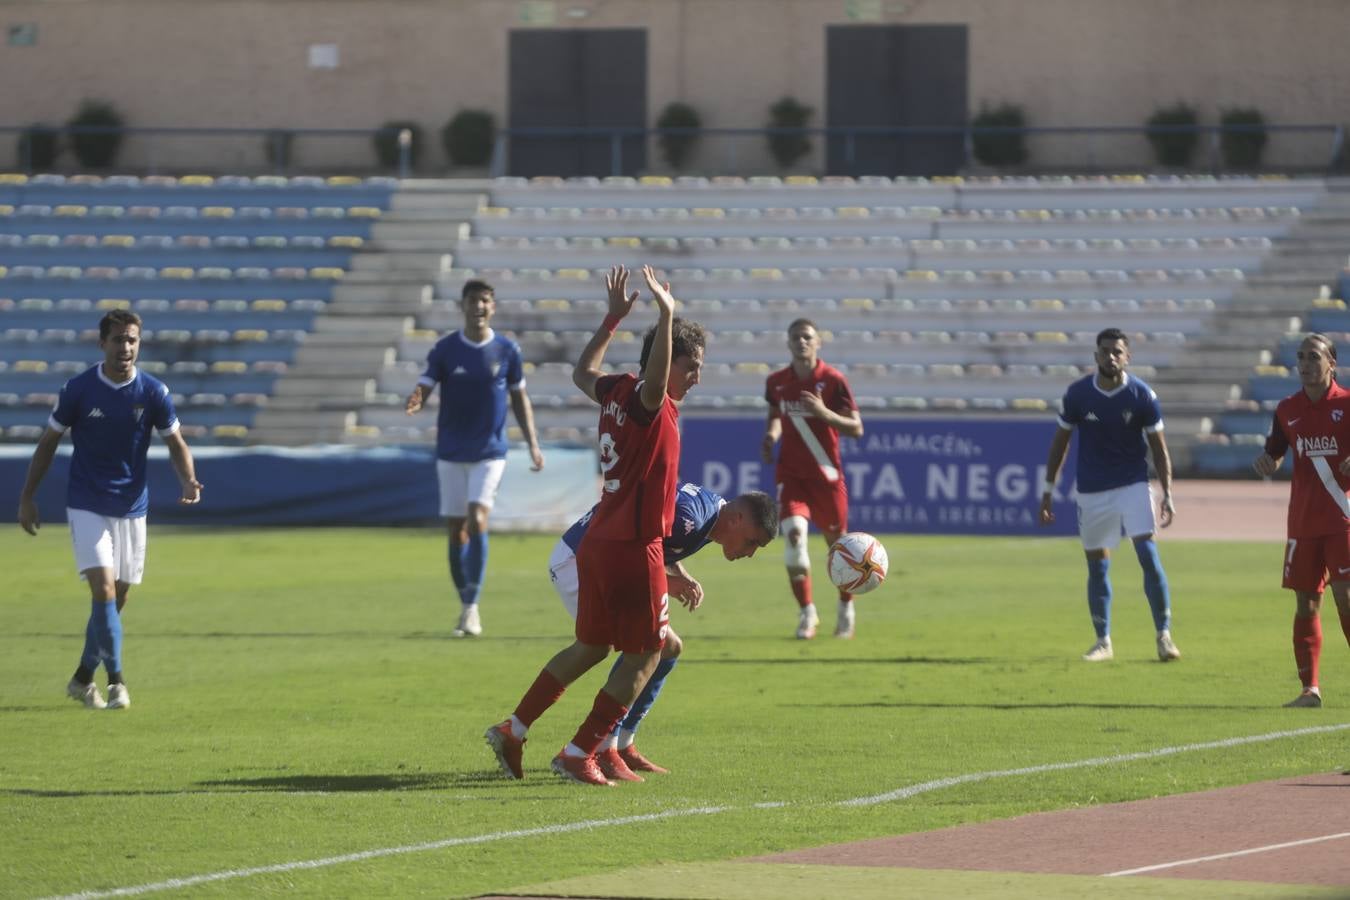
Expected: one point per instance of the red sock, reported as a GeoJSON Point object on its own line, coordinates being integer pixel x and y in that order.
{"type": "Point", "coordinates": [845, 597]}
{"type": "Point", "coordinates": [542, 694]}
{"type": "Point", "coordinates": [801, 588]}
{"type": "Point", "coordinates": [605, 714]}
{"type": "Point", "coordinates": [1307, 648]}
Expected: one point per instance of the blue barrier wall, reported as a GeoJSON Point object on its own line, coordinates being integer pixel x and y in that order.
{"type": "Point", "coordinates": [328, 486]}
{"type": "Point", "coordinates": [920, 476]}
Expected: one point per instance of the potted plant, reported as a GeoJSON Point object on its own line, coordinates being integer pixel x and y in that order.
{"type": "Point", "coordinates": [468, 137]}
{"type": "Point", "coordinates": [96, 149]}
{"type": "Point", "coordinates": [386, 142]}
{"type": "Point", "coordinates": [1172, 144]}
{"type": "Point", "coordinates": [679, 146]}
{"type": "Point", "coordinates": [1243, 138]}
{"type": "Point", "coordinates": [38, 146]}
{"type": "Point", "coordinates": [1007, 148]}
{"type": "Point", "coordinates": [786, 149]}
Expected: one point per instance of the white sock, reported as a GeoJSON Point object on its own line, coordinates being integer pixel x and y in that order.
{"type": "Point", "coordinates": [518, 728]}
{"type": "Point", "coordinates": [626, 738]}
{"type": "Point", "coordinates": [611, 742]}
{"type": "Point", "coordinates": [574, 751]}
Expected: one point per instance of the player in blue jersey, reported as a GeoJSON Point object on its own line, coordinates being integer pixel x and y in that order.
{"type": "Point", "coordinates": [1118, 420]}
{"type": "Point", "coordinates": [476, 369]}
{"type": "Point", "coordinates": [740, 527]}
{"type": "Point", "coordinates": [110, 410]}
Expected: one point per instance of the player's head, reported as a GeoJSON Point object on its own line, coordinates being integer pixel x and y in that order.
{"type": "Point", "coordinates": [746, 524]}
{"type": "Point", "coordinates": [687, 341]}
{"type": "Point", "coordinates": [803, 340]}
{"type": "Point", "coordinates": [1113, 352]}
{"type": "Point", "coordinates": [1316, 361]}
{"type": "Point", "coordinates": [478, 301]}
{"type": "Point", "coordinates": [119, 336]}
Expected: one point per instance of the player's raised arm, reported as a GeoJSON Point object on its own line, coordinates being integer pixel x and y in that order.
{"type": "Point", "coordinates": [657, 371]}
{"type": "Point", "coordinates": [587, 370]}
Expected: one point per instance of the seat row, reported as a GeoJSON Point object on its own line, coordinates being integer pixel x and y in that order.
{"type": "Point", "coordinates": [212, 273]}
{"type": "Point", "coordinates": [40, 211]}
{"type": "Point", "coordinates": [47, 179]}
{"type": "Point", "coordinates": [224, 433]}
{"type": "Point", "coordinates": [191, 241]}
{"type": "Point", "coordinates": [161, 305]}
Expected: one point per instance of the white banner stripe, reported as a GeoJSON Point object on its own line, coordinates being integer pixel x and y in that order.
{"type": "Point", "coordinates": [1329, 482]}
{"type": "Point", "coordinates": [812, 444]}
{"type": "Point", "coordinates": [1235, 853]}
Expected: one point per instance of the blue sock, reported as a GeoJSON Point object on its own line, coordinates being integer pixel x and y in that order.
{"type": "Point", "coordinates": [456, 554]}
{"type": "Point", "coordinates": [108, 634]}
{"type": "Point", "coordinates": [1099, 595]}
{"type": "Point", "coordinates": [1155, 583]}
{"type": "Point", "coordinates": [90, 658]}
{"type": "Point", "coordinates": [644, 702]}
{"type": "Point", "coordinates": [475, 563]}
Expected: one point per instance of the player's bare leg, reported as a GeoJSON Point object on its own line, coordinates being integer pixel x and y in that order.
{"type": "Point", "coordinates": [798, 563]}
{"type": "Point", "coordinates": [846, 621]}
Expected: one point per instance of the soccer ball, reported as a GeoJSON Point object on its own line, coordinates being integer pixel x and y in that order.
{"type": "Point", "coordinates": [857, 563]}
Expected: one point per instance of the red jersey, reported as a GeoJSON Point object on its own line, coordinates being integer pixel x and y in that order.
{"type": "Point", "coordinates": [810, 448]}
{"type": "Point", "coordinates": [639, 459]}
{"type": "Point", "coordinates": [1317, 495]}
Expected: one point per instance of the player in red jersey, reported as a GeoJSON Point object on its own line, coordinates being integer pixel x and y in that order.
{"type": "Point", "coordinates": [1314, 421]}
{"type": "Point", "coordinates": [622, 590]}
{"type": "Point", "coordinates": [817, 404]}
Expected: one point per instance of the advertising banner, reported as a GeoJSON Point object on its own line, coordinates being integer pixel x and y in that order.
{"type": "Point", "coordinates": [920, 476]}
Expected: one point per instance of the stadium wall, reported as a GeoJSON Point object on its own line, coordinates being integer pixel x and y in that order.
{"type": "Point", "coordinates": [244, 63]}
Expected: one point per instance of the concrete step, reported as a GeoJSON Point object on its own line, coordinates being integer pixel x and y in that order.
{"type": "Point", "coordinates": [371, 329]}
{"type": "Point", "coordinates": [300, 420]}
{"type": "Point", "coordinates": [406, 292]}
{"type": "Point", "coordinates": [353, 391]}
{"type": "Point", "coordinates": [313, 361]}
{"type": "Point", "coordinates": [421, 263]}
{"type": "Point", "coordinates": [441, 228]}
{"type": "Point", "coordinates": [365, 308]}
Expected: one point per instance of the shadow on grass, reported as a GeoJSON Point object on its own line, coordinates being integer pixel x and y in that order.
{"type": "Point", "coordinates": [305, 784]}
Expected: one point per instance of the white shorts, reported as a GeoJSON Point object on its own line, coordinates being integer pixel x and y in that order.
{"type": "Point", "coordinates": [1104, 517]}
{"type": "Point", "coordinates": [465, 483]}
{"type": "Point", "coordinates": [106, 542]}
{"type": "Point", "coordinates": [562, 570]}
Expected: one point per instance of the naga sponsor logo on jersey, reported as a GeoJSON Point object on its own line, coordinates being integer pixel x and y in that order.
{"type": "Point", "coordinates": [615, 411]}
{"type": "Point", "coordinates": [1319, 445]}
{"type": "Point", "coordinates": [793, 407]}
{"type": "Point", "coordinates": [96, 413]}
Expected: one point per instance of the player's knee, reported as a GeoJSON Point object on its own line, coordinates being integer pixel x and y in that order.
{"type": "Point", "coordinates": [795, 554]}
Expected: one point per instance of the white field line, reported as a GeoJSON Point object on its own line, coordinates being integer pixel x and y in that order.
{"type": "Point", "coordinates": [565, 828]}
{"type": "Point", "coordinates": [1248, 852]}
{"type": "Point", "coordinates": [925, 787]}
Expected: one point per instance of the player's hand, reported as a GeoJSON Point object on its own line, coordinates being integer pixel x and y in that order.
{"type": "Point", "coordinates": [414, 402]}
{"type": "Point", "coordinates": [1167, 511]}
{"type": "Point", "coordinates": [536, 458]}
{"type": "Point", "coordinates": [665, 300]}
{"type": "Point", "coordinates": [28, 517]}
{"type": "Point", "coordinates": [766, 448]}
{"type": "Point", "coordinates": [616, 286]}
{"type": "Point", "coordinates": [1047, 509]}
{"type": "Point", "coordinates": [192, 492]}
{"type": "Point", "coordinates": [814, 405]}
{"type": "Point", "coordinates": [686, 590]}
{"type": "Point", "coordinates": [1266, 466]}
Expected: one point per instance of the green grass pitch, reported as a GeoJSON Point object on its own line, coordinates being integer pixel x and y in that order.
{"type": "Point", "coordinates": [297, 697]}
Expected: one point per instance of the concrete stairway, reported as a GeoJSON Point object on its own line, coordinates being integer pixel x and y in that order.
{"type": "Point", "coordinates": [389, 284]}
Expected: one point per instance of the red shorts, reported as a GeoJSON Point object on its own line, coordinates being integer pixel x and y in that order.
{"type": "Point", "coordinates": [621, 595]}
{"type": "Point", "coordinates": [823, 502]}
{"type": "Point", "coordinates": [1309, 560]}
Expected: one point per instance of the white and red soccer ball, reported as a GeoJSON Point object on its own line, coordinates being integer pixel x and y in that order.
{"type": "Point", "coordinates": [857, 563]}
